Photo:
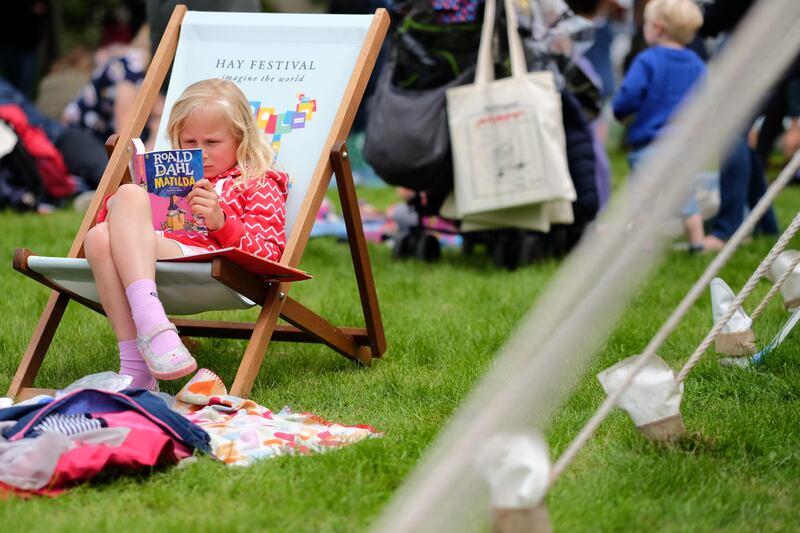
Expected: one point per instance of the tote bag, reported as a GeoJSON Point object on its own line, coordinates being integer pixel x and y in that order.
{"type": "Point", "coordinates": [507, 135]}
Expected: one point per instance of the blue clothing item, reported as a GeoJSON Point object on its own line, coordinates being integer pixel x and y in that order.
{"type": "Point", "coordinates": [656, 83]}
{"type": "Point", "coordinates": [599, 54]}
{"type": "Point", "coordinates": [741, 185]}
{"type": "Point", "coordinates": [91, 400]}
{"type": "Point", "coordinates": [581, 160]}
{"type": "Point", "coordinates": [11, 95]}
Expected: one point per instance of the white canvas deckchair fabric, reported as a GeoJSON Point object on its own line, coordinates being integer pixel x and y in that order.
{"type": "Point", "coordinates": [294, 70]}
{"type": "Point", "coordinates": [184, 288]}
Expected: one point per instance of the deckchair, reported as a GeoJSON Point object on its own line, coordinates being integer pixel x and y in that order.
{"type": "Point", "coordinates": [316, 67]}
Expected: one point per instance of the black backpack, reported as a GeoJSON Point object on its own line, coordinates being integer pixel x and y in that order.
{"type": "Point", "coordinates": [429, 54]}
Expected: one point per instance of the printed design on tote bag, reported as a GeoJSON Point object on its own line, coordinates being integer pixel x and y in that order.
{"type": "Point", "coordinates": [505, 159]}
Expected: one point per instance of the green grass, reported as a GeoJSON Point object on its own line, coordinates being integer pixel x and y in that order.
{"type": "Point", "coordinates": [737, 471]}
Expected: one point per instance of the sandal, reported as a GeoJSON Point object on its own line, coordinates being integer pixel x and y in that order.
{"type": "Point", "coordinates": [173, 364]}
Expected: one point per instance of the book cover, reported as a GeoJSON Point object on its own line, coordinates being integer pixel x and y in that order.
{"type": "Point", "coordinates": [169, 175]}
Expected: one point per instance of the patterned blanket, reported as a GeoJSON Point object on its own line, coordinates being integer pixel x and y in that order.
{"type": "Point", "coordinates": [242, 431]}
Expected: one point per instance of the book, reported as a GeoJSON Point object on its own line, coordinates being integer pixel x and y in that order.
{"type": "Point", "coordinates": [169, 175]}
{"type": "Point", "coordinates": [263, 268]}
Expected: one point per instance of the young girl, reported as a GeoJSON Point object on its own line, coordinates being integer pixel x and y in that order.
{"type": "Point", "coordinates": [242, 200]}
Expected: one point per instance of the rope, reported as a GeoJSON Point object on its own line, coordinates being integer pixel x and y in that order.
{"type": "Point", "coordinates": [744, 293]}
{"type": "Point", "coordinates": [677, 315]}
{"type": "Point", "coordinates": [775, 288]}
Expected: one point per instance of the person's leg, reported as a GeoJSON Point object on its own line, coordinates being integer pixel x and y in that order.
{"type": "Point", "coordinates": [112, 296]}
{"type": "Point", "coordinates": [134, 249]}
{"type": "Point", "coordinates": [693, 225]}
{"type": "Point", "coordinates": [97, 246]}
{"type": "Point", "coordinates": [772, 126]}
{"type": "Point", "coordinates": [733, 183]}
{"type": "Point", "coordinates": [134, 245]}
{"type": "Point", "coordinates": [756, 187]}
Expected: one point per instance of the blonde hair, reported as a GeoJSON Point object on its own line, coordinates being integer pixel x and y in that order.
{"type": "Point", "coordinates": [254, 155]}
{"type": "Point", "coordinates": [680, 18]}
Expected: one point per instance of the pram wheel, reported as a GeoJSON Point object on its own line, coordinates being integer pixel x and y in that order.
{"type": "Point", "coordinates": [518, 248]}
{"type": "Point", "coordinates": [504, 254]}
{"type": "Point", "coordinates": [428, 248]}
{"type": "Point", "coordinates": [468, 245]}
{"type": "Point", "coordinates": [419, 245]}
{"type": "Point", "coordinates": [559, 240]}
{"type": "Point", "coordinates": [531, 249]}
{"type": "Point", "coordinates": [404, 246]}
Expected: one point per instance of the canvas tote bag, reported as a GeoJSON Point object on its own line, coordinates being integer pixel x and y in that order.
{"type": "Point", "coordinates": [534, 217]}
{"type": "Point", "coordinates": [507, 135]}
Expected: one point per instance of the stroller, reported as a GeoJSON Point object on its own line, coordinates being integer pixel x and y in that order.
{"type": "Point", "coordinates": [408, 144]}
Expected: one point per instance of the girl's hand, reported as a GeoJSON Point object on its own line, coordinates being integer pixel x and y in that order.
{"type": "Point", "coordinates": [203, 200]}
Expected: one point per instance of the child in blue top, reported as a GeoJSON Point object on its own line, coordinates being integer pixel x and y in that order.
{"type": "Point", "coordinates": [657, 82]}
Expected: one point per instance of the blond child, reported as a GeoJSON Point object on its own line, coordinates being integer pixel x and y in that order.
{"type": "Point", "coordinates": [241, 197]}
{"type": "Point", "coordinates": [657, 82]}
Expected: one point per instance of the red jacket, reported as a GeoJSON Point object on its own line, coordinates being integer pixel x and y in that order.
{"type": "Point", "coordinates": [255, 215]}
{"type": "Point", "coordinates": [56, 178]}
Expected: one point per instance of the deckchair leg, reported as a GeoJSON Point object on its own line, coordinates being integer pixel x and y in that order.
{"type": "Point", "coordinates": [39, 343]}
{"type": "Point", "coordinates": [358, 248]}
{"type": "Point", "coordinates": [259, 340]}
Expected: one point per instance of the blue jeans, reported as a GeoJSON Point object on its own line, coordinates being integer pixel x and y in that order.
{"type": "Point", "coordinates": [742, 184]}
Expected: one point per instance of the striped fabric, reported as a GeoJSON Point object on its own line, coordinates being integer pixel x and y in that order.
{"type": "Point", "coordinates": [255, 215]}
{"type": "Point", "coordinates": [69, 424]}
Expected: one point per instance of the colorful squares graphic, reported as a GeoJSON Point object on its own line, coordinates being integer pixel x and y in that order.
{"type": "Point", "coordinates": [307, 107]}
{"type": "Point", "coordinates": [272, 122]}
{"type": "Point", "coordinates": [262, 116]}
{"type": "Point", "coordinates": [277, 124]}
{"type": "Point", "coordinates": [282, 125]}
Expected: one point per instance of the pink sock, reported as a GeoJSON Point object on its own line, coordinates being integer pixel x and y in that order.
{"type": "Point", "coordinates": [148, 313]}
{"type": "Point", "coordinates": [132, 364]}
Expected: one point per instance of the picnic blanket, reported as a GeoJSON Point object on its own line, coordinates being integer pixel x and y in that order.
{"type": "Point", "coordinates": [243, 431]}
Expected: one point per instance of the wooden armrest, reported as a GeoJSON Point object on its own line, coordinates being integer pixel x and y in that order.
{"type": "Point", "coordinates": [20, 261]}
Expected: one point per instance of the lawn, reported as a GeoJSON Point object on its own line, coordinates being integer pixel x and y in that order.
{"type": "Point", "coordinates": [737, 471]}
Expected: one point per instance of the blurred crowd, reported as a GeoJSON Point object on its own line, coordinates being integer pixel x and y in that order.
{"type": "Point", "coordinates": [58, 106]}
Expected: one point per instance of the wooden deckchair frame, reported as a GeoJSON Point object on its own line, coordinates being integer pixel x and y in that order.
{"type": "Point", "coordinates": [357, 343]}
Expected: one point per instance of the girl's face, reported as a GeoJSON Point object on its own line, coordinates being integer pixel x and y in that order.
{"type": "Point", "coordinates": [207, 128]}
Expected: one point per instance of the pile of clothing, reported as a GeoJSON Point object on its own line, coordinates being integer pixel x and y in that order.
{"type": "Point", "coordinates": [48, 444]}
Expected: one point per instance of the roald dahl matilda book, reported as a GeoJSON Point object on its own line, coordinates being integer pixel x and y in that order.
{"type": "Point", "coordinates": [169, 175]}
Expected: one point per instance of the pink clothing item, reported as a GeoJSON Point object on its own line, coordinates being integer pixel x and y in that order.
{"type": "Point", "coordinates": [137, 421]}
{"type": "Point", "coordinates": [148, 313]}
{"type": "Point", "coordinates": [131, 364]}
{"type": "Point", "coordinates": [146, 445]}
{"type": "Point", "coordinates": [255, 215]}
